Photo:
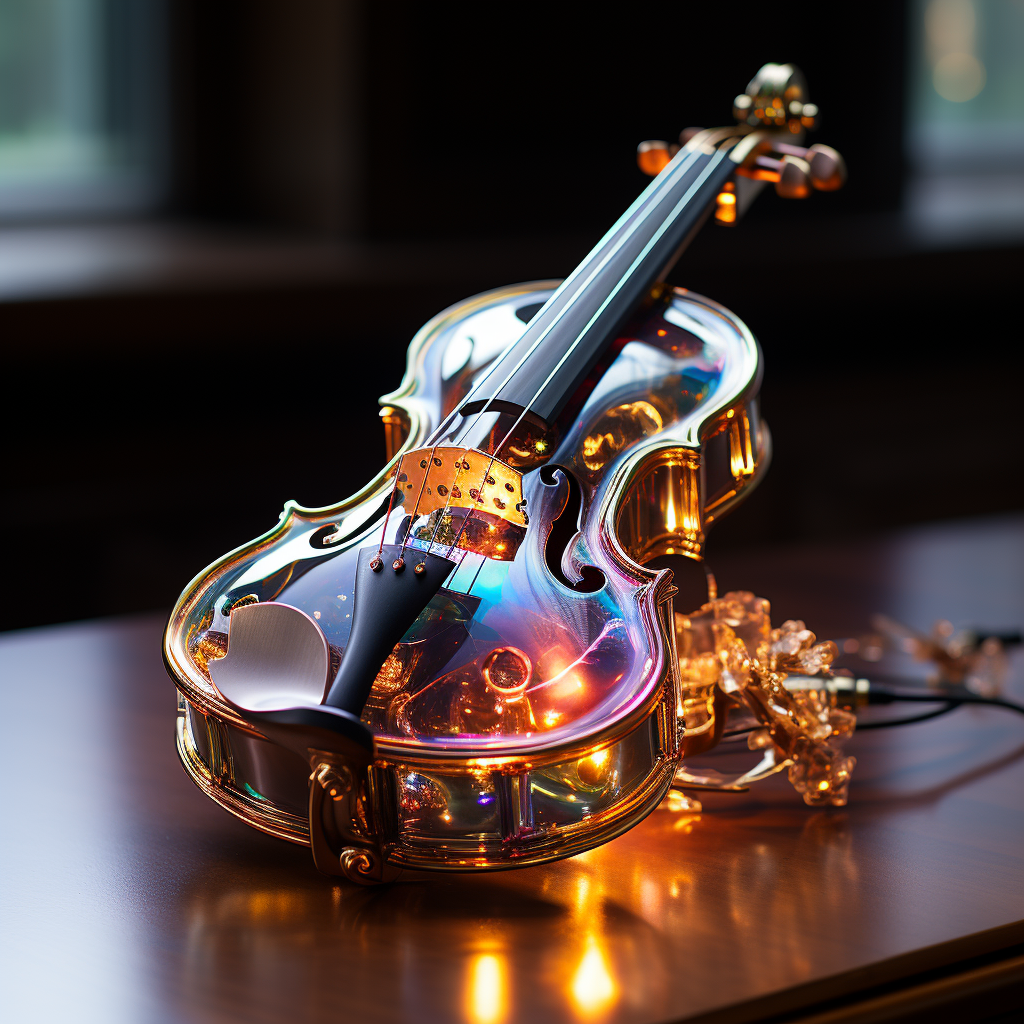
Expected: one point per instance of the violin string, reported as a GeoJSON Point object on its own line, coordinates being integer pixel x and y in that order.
{"type": "Point", "coordinates": [653, 200]}
{"type": "Point", "coordinates": [688, 195]}
{"type": "Point", "coordinates": [419, 498]}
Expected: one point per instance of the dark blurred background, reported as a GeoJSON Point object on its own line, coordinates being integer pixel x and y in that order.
{"type": "Point", "coordinates": [221, 223]}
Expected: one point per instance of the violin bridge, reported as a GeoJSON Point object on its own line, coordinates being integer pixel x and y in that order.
{"type": "Point", "coordinates": [450, 477]}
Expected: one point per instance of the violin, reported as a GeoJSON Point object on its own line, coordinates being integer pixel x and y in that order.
{"type": "Point", "coordinates": [473, 663]}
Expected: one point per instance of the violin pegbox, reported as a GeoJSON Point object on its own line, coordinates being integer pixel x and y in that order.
{"type": "Point", "coordinates": [776, 107]}
{"type": "Point", "coordinates": [775, 110]}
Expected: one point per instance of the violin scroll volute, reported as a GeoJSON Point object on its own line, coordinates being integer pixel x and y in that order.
{"type": "Point", "coordinates": [776, 98]}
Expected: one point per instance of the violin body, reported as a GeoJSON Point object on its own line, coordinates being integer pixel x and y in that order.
{"type": "Point", "coordinates": [484, 760]}
{"type": "Point", "coordinates": [472, 663]}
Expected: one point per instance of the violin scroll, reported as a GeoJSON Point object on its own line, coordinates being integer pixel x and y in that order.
{"type": "Point", "coordinates": [776, 97]}
{"type": "Point", "coordinates": [776, 111]}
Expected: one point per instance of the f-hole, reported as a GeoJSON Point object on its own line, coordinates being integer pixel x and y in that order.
{"type": "Point", "coordinates": [564, 531]}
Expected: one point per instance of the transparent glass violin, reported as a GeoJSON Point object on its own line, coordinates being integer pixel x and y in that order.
{"type": "Point", "coordinates": [474, 662]}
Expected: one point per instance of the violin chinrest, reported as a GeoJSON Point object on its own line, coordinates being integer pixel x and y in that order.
{"type": "Point", "coordinates": [275, 675]}
{"type": "Point", "coordinates": [277, 658]}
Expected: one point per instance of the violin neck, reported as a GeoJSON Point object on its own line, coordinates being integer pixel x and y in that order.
{"type": "Point", "coordinates": [544, 369]}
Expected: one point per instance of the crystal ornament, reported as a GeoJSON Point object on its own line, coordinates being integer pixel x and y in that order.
{"type": "Point", "coordinates": [778, 676]}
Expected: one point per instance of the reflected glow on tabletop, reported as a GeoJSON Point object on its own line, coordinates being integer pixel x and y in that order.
{"type": "Point", "coordinates": [127, 898]}
{"type": "Point", "coordinates": [487, 1001]}
{"type": "Point", "coordinates": [593, 988]}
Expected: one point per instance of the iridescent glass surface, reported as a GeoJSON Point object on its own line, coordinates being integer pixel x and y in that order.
{"type": "Point", "coordinates": [546, 635]}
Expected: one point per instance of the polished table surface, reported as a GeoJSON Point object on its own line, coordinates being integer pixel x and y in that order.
{"type": "Point", "coordinates": [127, 896]}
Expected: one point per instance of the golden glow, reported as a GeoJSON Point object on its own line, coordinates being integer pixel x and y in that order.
{"type": "Point", "coordinates": [487, 1001]}
{"type": "Point", "coordinates": [741, 449]}
{"type": "Point", "coordinates": [617, 429]}
{"type": "Point", "coordinates": [591, 770]}
{"type": "Point", "coordinates": [593, 989]}
{"type": "Point", "coordinates": [391, 675]}
{"type": "Point", "coordinates": [725, 204]}
{"type": "Point", "coordinates": [680, 803]}
{"type": "Point", "coordinates": [671, 519]}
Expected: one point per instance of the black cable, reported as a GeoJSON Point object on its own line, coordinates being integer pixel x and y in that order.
{"type": "Point", "coordinates": [885, 695]}
{"type": "Point", "coordinates": [888, 723]}
{"type": "Point", "coordinates": [729, 734]}
{"type": "Point", "coordinates": [949, 700]}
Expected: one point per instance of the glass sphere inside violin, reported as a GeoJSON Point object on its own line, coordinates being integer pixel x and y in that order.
{"type": "Point", "coordinates": [540, 630]}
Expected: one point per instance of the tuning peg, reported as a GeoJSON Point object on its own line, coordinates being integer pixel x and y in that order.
{"type": "Point", "coordinates": [653, 156]}
{"type": "Point", "coordinates": [791, 174]}
{"type": "Point", "coordinates": [794, 180]}
{"type": "Point", "coordinates": [828, 169]}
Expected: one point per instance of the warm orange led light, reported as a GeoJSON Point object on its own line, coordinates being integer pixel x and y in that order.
{"type": "Point", "coordinates": [725, 209]}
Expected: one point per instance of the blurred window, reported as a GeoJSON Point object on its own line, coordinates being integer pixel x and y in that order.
{"type": "Point", "coordinates": [81, 125]}
{"type": "Point", "coordinates": [965, 135]}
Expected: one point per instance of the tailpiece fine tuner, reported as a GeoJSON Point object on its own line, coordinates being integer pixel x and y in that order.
{"type": "Point", "coordinates": [490, 655]}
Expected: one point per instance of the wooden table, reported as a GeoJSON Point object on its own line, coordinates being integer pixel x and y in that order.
{"type": "Point", "coordinates": [129, 897]}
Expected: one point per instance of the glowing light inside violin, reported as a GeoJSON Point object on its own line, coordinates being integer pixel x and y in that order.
{"type": "Point", "coordinates": [482, 663]}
